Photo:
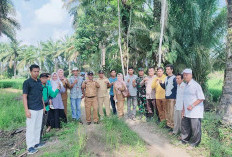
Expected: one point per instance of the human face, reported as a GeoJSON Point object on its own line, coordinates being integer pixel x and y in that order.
{"type": "Point", "coordinates": [55, 77]}
{"type": "Point", "coordinates": [120, 77]}
{"type": "Point", "coordinates": [141, 73]}
{"type": "Point", "coordinates": [188, 77]}
{"type": "Point", "coordinates": [35, 73]}
{"type": "Point", "coordinates": [61, 73]}
{"type": "Point", "coordinates": [75, 72]}
{"type": "Point", "coordinates": [178, 79]}
{"type": "Point", "coordinates": [113, 73]}
{"type": "Point", "coordinates": [101, 75]}
{"type": "Point", "coordinates": [130, 71]}
{"type": "Point", "coordinates": [151, 72]}
{"type": "Point", "coordinates": [160, 73]}
{"type": "Point", "coordinates": [90, 77]}
{"type": "Point", "coordinates": [44, 80]}
{"type": "Point", "coordinates": [169, 71]}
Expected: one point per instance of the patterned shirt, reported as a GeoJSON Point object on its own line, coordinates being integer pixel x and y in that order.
{"type": "Point", "coordinates": [76, 91]}
{"type": "Point", "coordinates": [141, 90]}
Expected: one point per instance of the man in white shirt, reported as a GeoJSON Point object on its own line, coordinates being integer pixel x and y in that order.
{"type": "Point", "coordinates": [192, 111]}
{"type": "Point", "coordinates": [179, 103]}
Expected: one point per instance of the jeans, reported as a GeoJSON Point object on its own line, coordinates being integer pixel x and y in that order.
{"type": "Point", "coordinates": [76, 108]}
{"type": "Point", "coordinates": [113, 104]}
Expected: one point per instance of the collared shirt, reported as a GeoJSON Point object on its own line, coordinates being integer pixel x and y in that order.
{"type": "Point", "coordinates": [131, 88]}
{"type": "Point", "coordinates": [192, 93]}
{"type": "Point", "coordinates": [76, 91]}
{"type": "Point", "coordinates": [180, 96]}
{"type": "Point", "coordinates": [103, 89]}
{"type": "Point", "coordinates": [141, 89]}
{"type": "Point", "coordinates": [112, 80]}
{"type": "Point", "coordinates": [34, 90]}
{"type": "Point", "coordinates": [91, 88]}
{"type": "Point", "coordinates": [48, 92]}
{"type": "Point", "coordinates": [150, 93]}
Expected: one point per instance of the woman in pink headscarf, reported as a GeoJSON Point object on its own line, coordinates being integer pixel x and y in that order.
{"type": "Point", "coordinates": [66, 85]}
{"type": "Point", "coordinates": [119, 96]}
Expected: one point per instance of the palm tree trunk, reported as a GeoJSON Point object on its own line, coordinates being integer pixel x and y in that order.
{"type": "Point", "coordinates": [15, 66]}
{"type": "Point", "coordinates": [102, 46]}
{"type": "Point", "coordinates": [119, 39]}
{"type": "Point", "coordinates": [162, 29]}
{"type": "Point", "coordinates": [226, 99]}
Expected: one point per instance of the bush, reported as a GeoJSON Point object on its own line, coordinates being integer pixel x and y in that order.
{"type": "Point", "coordinates": [12, 83]}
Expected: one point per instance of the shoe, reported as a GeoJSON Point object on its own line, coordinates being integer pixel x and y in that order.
{"type": "Point", "coordinates": [32, 150]}
{"type": "Point", "coordinates": [193, 145]}
{"type": "Point", "coordinates": [80, 121]}
{"type": "Point", "coordinates": [88, 123]}
{"type": "Point", "coordinates": [96, 122]}
{"type": "Point", "coordinates": [133, 118]}
{"type": "Point", "coordinates": [40, 145]}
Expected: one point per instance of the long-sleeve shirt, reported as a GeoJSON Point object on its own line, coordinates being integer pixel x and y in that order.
{"type": "Point", "coordinates": [131, 88]}
{"type": "Point", "coordinates": [57, 101]}
{"type": "Point", "coordinates": [150, 93]}
{"type": "Point", "coordinates": [159, 91]}
{"type": "Point", "coordinates": [170, 87]}
{"type": "Point", "coordinates": [48, 92]}
{"type": "Point", "coordinates": [180, 96]}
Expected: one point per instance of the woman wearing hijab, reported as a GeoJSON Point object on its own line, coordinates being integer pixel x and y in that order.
{"type": "Point", "coordinates": [57, 114]}
{"type": "Point", "coordinates": [119, 89]}
{"type": "Point", "coordinates": [66, 85]}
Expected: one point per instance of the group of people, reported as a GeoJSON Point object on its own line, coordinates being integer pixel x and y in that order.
{"type": "Point", "coordinates": [174, 100]}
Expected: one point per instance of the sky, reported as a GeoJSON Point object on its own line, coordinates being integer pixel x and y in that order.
{"type": "Point", "coordinates": [42, 20]}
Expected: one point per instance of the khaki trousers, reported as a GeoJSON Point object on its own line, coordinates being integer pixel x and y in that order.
{"type": "Point", "coordinates": [106, 101]}
{"type": "Point", "coordinates": [91, 102]}
{"type": "Point", "coordinates": [170, 104]}
{"type": "Point", "coordinates": [120, 108]}
{"type": "Point", "coordinates": [161, 105]}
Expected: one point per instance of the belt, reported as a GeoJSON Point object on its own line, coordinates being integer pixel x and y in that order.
{"type": "Point", "coordinates": [90, 96]}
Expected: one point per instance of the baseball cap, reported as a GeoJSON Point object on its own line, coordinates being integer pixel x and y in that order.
{"type": "Point", "coordinates": [90, 73]}
{"type": "Point", "coordinates": [100, 72]}
{"type": "Point", "coordinates": [43, 75]}
{"type": "Point", "coordinates": [75, 68]}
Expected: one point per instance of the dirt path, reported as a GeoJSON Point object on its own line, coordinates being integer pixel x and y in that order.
{"type": "Point", "coordinates": [158, 145]}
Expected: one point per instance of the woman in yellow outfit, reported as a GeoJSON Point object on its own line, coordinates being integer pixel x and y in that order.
{"type": "Point", "coordinates": [160, 93]}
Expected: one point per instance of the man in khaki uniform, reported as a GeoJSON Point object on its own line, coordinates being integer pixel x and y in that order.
{"type": "Point", "coordinates": [90, 93]}
{"type": "Point", "coordinates": [103, 96]}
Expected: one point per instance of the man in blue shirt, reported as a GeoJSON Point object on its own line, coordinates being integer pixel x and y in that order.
{"type": "Point", "coordinates": [112, 79]}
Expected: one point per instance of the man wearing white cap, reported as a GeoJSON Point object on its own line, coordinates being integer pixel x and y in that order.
{"type": "Point", "coordinates": [76, 94]}
{"type": "Point", "coordinates": [192, 111]}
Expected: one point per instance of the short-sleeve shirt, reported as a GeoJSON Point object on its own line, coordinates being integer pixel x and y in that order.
{"type": "Point", "coordinates": [112, 80]}
{"type": "Point", "coordinates": [34, 91]}
{"type": "Point", "coordinates": [192, 93]}
{"type": "Point", "coordinates": [76, 91]}
{"type": "Point", "coordinates": [131, 88]}
{"type": "Point", "coordinates": [180, 96]}
{"type": "Point", "coordinates": [102, 90]}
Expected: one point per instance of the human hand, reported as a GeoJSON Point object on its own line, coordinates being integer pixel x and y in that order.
{"type": "Point", "coordinates": [128, 80]}
{"type": "Point", "coordinates": [190, 107]}
{"type": "Point", "coordinates": [28, 114]}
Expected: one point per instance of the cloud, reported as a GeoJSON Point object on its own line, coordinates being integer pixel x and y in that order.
{"type": "Point", "coordinates": [51, 13]}
{"type": "Point", "coordinates": [59, 34]}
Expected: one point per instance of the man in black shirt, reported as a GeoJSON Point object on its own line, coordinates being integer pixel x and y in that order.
{"type": "Point", "coordinates": [34, 106]}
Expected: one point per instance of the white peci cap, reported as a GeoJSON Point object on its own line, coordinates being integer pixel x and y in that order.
{"type": "Point", "coordinates": [187, 71]}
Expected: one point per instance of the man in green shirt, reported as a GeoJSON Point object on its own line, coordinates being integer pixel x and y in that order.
{"type": "Point", "coordinates": [47, 94]}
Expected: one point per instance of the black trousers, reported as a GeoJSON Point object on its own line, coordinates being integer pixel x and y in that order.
{"type": "Point", "coordinates": [55, 117]}
{"type": "Point", "coordinates": [113, 104]}
{"type": "Point", "coordinates": [191, 130]}
{"type": "Point", "coordinates": [44, 122]}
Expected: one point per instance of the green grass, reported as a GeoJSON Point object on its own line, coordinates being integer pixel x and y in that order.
{"type": "Point", "coordinates": [117, 133]}
{"type": "Point", "coordinates": [11, 110]}
{"type": "Point", "coordinates": [72, 140]}
{"type": "Point", "coordinates": [12, 83]}
{"type": "Point", "coordinates": [215, 88]}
